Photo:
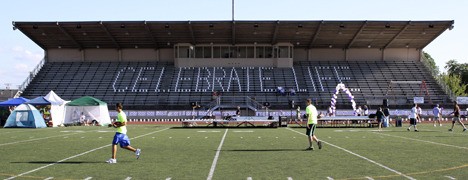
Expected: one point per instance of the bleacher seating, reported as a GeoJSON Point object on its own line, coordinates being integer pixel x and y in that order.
{"type": "Point", "coordinates": [160, 85]}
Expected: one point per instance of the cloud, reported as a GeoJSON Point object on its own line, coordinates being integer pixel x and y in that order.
{"type": "Point", "coordinates": [21, 54]}
{"type": "Point", "coordinates": [22, 68]}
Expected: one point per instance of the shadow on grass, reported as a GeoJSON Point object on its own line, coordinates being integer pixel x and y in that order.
{"type": "Point", "coordinates": [224, 127]}
{"type": "Point", "coordinates": [261, 150]}
{"type": "Point", "coordinates": [52, 162]}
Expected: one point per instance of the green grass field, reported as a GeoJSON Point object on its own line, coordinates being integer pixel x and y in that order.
{"type": "Point", "coordinates": [236, 153]}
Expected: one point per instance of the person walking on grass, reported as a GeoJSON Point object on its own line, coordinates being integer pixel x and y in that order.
{"type": "Point", "coordinates": [312, 116]}
{"type": "Point", "coordinates": [120, 136]}
{"type": "Point", "coordinates": [437, 112]}
{"type": "Point", "coordinates": [380, 117]}
{"type": "Point", "coordinates": [413, 118]}
{"type": "Point", "coordinates": [456, 117]}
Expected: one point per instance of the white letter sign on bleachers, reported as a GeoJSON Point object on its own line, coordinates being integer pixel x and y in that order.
{"type": "Point", "coordinates": [462, 100]}
{"type": "Point", "coordinates": [418, 100]}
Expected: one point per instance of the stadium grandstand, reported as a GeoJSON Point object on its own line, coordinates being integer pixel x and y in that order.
{"type": "Point", "coordinates": [174, 65]}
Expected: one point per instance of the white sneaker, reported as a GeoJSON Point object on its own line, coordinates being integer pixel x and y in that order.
{"type": "Point", "coordinates": [137, 153]}
{"type": "Point", "coordinates": [111, 161]}
{"type": "Point", "coordinates": [434, 125]}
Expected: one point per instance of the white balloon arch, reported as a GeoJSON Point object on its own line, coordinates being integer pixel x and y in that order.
{"type": "Point", "coordinates": [339, 87]}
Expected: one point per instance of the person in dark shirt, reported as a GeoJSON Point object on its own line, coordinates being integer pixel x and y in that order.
{"type": "Point", "coordinates": [380, 117]}
{"type": "Point", "coordinates": [456, 117]}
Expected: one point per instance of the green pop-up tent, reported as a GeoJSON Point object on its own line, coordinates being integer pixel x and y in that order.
{"type": "Point", "coordinates": [90, 107]}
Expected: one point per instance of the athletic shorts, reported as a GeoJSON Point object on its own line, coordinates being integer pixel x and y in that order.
{"type": "Point", "coordinates": [455, 118]}
{"type": "Point", "coordinates": [436, 117]}
{"type": "Point", "coordinates": [310, 130]}
{"type": "Point", "coordinates": [121, 139]}
{"type": "Point", "coordinates": [412, 121]}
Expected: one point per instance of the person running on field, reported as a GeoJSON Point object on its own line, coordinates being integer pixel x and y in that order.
{"type": "Point", "coordinates": [120, 136]}
{"type": "Point", "coordinates": [413, 118]}
{"type": "Point", "coordinates": [312, 114]}
{"type": "Point", "coordinates": [456, 117]}
{"type": "Point", "coordinates": [437, 112]}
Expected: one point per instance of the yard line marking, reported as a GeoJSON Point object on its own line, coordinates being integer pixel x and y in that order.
{"type": "Point", "coordinates": [128, 178]}
{"type": "Point", "coordinates": [362, 157]}
{"type": "Point", "coordinates": [329, 178]}
{"type": "Point", "coordinates": [367, 177]}
{"type": "Point", "coordinates": [430, 142]}
{"type": "Point", "coordinates": [88, 178]}
{"type": "Point", "coordinates": [290, 178]}
{"type": "Point", "coordinates": [29, 140]}
{"type": "Point", "coordinates": [450, 177]}
{"type": "Point", "coordinates": [215, 160]}
{"type": "Point", "coordinates": [249, 178]}
{"type": "Point", "coordinates": [71, 157]}
{"type": "Point", "coordinates": [169, 178]}
{"type": "Point", "coordinates": [49, 178]}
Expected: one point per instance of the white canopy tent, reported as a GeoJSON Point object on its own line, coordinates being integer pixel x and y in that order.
{"type": "Point", "coordinates": [57, 108]}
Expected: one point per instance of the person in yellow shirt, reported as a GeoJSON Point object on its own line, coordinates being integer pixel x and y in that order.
{"type": "Point", "coordinates": [120, 136]}
{"type": "Point", "coordinates": [312, 116]}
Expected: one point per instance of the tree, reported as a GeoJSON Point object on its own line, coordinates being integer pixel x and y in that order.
{"type": "Point", "coordinates": [455, 84]}
{"type": "Point", "coordinates": [456, 69]}
{"type": "Point", "coordinates": [431, 62]}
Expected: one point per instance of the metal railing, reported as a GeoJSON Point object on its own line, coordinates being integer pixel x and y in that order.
{"type": "Point", "coordinates": [438, 78]}
{"type": "Point", "coordinates": [31, 76]}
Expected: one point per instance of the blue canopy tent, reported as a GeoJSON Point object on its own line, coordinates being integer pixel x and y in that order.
{"type": "Point", "coordinates": [14, 102]}
{"type": "Point", "coordinates": [38, 101]}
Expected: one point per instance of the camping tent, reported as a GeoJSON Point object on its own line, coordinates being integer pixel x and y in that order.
{"type": "Point", "coordinates": [57, 108]}
{"type": "Point", "coordinates": [39, 101]}
{"type": "Point", "coordinates": [92, 108]}
{"type": "Point", "coordinates": [14, 102]}
{"type": "Point", "coordinates": [25, 116]}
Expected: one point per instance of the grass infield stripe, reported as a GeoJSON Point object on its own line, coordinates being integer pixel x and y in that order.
{"type": "Point", "coordinates": [71, 157]}
{"type": "Point", "coordinates": [430, 142]}
{"type": "Point", "coordinates": [362, 157]}
{"type": "Point", "coordinates": [215, 160]}
{"type": "Point", "coordinates": [38, 139]}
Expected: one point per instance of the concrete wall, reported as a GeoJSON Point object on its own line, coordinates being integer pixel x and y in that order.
{"type": "Point", "coordinates": [101, 55]}
{"type": "Point", "coordinates": [364, 54]}
{"type": "Point", "coordinates": [326, 54]}
{"type": "Point", "coordinates": [167, 55]}
{"type": "Point", "coordinates": [64, 55]}
{"type": "Point", "coordinates": [135, 55]}
{"type": "Point", "coordinates": [223, 62]}
{"type": "Point", "coordinates": [109, 55]}
{"type": "Point", "coordinates": [361, 54]}
{"type": "Point", "coordinates": [403, 54]}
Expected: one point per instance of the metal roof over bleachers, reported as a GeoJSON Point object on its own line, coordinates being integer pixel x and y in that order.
{"type": "Point", "coordinates": [164, 34]}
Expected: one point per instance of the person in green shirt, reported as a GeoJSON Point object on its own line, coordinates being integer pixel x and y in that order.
{"type": "Point", "coordinates": [120, 136]}
{"type": "Point", "coordinates": [312, 116]}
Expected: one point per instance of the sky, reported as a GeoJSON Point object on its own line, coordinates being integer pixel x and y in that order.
{"type": "Point", "coordinates": [19, 55]}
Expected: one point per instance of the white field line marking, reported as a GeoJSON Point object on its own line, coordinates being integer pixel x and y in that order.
{"type": "Point", "coordinates": [450, 177]}
{"type": "Point", "coordinates": [290, 178]}
{"type": "Point", "coordinates": [242, 131]}
{"type": "Point", "coordinates": [88, 178]}
{"type": "Point", "coordinates": [362, 157]}
{"type": "Point", "coordinates": [215, 160]}
{"type": "Point", "coordinates": [430, 142]}
{"type": "Point", "coordinates": [49, 178]}
{"type": "Point", "coordinates": [329, 178]}
{"type": "Point", "coordinates": [249, 178]}
{"type": "Point", "coordinates": [369, 178]}
{"type": "Point", "coordinates": [169, 178]}
{"type": "Point", "coordinates": [128, 178]}
{"type": "Point", "coordinates": [36, 139]}
{"type": "Point", "coordinates": [71, 157]}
